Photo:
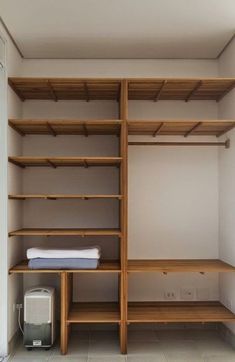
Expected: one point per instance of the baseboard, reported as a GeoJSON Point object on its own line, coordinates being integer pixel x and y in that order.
{"type": "Point", "coordinates": [13, 342]}
{"type": "Point", "coordinates": [226, 334]}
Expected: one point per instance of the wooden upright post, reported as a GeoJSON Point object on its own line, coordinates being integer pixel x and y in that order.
{"type": "Point", "coordinates": [64, 308]}
{"type": "Point", "coordinates": [123, 215]}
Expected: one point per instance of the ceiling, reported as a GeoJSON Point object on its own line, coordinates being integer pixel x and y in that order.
{"type": "Point", "coordinates": [119, 29]}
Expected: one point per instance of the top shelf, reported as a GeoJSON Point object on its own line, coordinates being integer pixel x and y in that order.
{"type": "Point", "coordinates": [154, 89]}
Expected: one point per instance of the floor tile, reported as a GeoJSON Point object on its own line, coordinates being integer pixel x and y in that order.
{"type": "Point", "coordinates": [76, 347]}
{"type": "Point", "coordinates": [145, 348]}
{"type": "Point", "coordinates": [141, 335]}
{"type": "Point", "coordinates": [173, 334]}
{"type": "Point", "coordinates": [107, 359]}
{"type": "Point", "coordinates": [104, 335]}
{"type": "Point", "coordinates": [143, 358]}
{"type": "Point", "coordinates": [68, 359]}
{"type": "Point", "coordinates": [220, 359]}
{"type": "Point", "coordinates": [103, 347]}
{"type": "Point", "coordinates": [181, 350]}
{"type": "Point", "coordinates": [215, 347]}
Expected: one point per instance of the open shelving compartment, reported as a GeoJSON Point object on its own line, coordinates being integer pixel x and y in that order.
{"type": "Point", "coordinates": [121, 312]}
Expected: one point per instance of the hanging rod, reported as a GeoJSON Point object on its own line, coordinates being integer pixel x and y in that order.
{"type": "Point", "coordinates": [225, 144]}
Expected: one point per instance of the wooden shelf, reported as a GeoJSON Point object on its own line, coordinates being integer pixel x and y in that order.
{"type": "Point", "coordinates": [65, 161]}
{"type": "Point", "coordinates": [66, 88]}
{"type": "Point", "coordinates": [65, 232]}
{"type": "Point", "coordinates": [62, 196]}
{"type": "Point", "coordinates": [185, 89]}
{"type": "Point", "coordinates": [148, 312]}
{"type": "Point", "coordinates": [180, 128]}
{"type": "Point", "coordinates": [99, 312]}
{"type": "Point", "coordinates": [65, 127]}
{"type": "Point", "coordinates": [106, 266]}
{"type": "Point", "coordinates": [109, 89]}
{"type": "Point", "coordinates": [179, 265]}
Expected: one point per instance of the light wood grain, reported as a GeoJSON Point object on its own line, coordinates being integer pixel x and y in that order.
{"type": "Point", "coordinates": [62, 196]}
{"type": "Point", "coordinates": [65, 127]}
{"type": "Point", "coordinates": [179, 265]}
{"type": "Point", "coordinates": [148, 312]}
{"type": "Point", "coordinates": [97, 312]}
{"type": "Point", "coordinates": [105, 266]}
{"type": "Point", "coordinates": [54, 162]}
{"type": "Point", "coordinates": [180, 128]}
{"type": "Point", "coordinates": [65, 232]}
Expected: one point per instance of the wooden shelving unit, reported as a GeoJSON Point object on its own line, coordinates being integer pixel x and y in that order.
{"type": "Point", "coordinates": [171, 312]}
{"type": "Point", "coordinates": [99, 312]}
{"type": "Point", "coordinates": [63, 197]}
{"type": "Point", "coordinates": [123, 91]}
{"type": "Point", "coordinates": [65, 232]}
{"type": "Point", "coordinates": [106, 266]}
{"type": "Point", "coordinates": [180, 128]}
{"type": "Point", "coordinates": [55, 162]}
{"type": "Point", "coordinates": [65, 127]}
{"type": "Point", "coordinates": [179, 266]}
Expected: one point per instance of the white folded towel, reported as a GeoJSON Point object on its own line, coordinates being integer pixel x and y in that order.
{"type": "Point", "coordinates": [82, 253]}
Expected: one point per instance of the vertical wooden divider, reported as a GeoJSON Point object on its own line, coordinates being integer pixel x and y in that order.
{"type": "Point", "coordinates": [66, 299]}
{"type": "Point", "coordinates": [123, 215]}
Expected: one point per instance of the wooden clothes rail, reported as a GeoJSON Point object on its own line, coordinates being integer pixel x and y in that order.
{"type": "Point", "coordinates": [121, 312]}
{"type": "Point", "coordinates": [225, 144]}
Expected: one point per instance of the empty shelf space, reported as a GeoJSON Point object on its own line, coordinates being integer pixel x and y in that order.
{"type": "Point", "coordinates": [99, 312]}
{"type": "Point", "coordinates": [147, 312]}
{"type": "Point", "coordinates": [180, 128]}
{"type": "Point", "coordinates": [179, 89]}
{"type": "Point", "coordinates": [179, 265]}
{"type": "Point", "coordinates": [66, 88]}
{"type": "Point", "coordinates": [65, 232]}
{"type": "Point", "coordinates": [106, 266]}
{"type": "Point", "coordinates": [62, 197]}
{"type": "Point", "coordinates": [55, 162]}
{"type": "Point", "coordinates": [65, 127]}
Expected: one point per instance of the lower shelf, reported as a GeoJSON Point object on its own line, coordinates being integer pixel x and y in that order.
{"type": "Point", "coordinates": [148, 312]}
{"type": "Point", "coordinates": [99, 312]}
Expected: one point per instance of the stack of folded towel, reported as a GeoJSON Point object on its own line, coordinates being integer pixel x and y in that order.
{"type": "Point", "coordinates": [79, 258]}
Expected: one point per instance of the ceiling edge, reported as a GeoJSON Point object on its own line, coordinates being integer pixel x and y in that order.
{"type": "Point", "coordinates": [11, 37]}
{"type": "Point", "coordinates": [32, 58]}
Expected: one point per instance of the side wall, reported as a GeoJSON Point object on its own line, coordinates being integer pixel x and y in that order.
{"type": "Point", "coordinates": [10, 249]}
{"type": "Point", "coordinates": [226, 185]}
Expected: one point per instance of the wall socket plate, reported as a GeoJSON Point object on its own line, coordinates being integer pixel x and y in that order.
{"type": "Point", "coordinates": [187, 293]}
{"type": "Point", "coordinates": [170, 294]}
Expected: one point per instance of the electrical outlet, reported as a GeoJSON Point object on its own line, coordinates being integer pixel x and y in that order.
{"type": "Point", "coordinates": [187, 293]}
{"type": "Point", "coordinates": [170, 295]}
{"type": "Point", "coordinates": [19, 306]}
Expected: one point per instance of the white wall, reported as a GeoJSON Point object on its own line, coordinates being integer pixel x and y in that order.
{"type": "Point", "coordinates": [10, 250]}
{"type": "Point", "coordinates": [226, 182]}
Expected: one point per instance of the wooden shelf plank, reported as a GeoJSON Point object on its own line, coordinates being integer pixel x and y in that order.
{"type": "Point", "coordinates": [62, 196]}
{"type": "Point", "coordinates": [180, 128]}
{"type": "Point", "coordinates": [148, 312]}
{"type": "Point", "coordinates": [179, 265]}
{"type": "Point", "coordinates": [65, 161]}
{"type": "Point", "coordinates": [66, 88]}
{"type": "Point", "coordinates": [109, 89]}
{"type": "Point", "coordinates": [180, 88]}
{"type": "Point", "coordinates": [106, 266]}
{"type": "Point", "coordinates": [98, 312]}
{"type": "Point", "coordinates": [64, 232]}
{"type": "Point", "coordinates": [65, 127]}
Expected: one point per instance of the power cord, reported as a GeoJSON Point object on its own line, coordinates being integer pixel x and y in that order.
{"type": "Point", "coordinates": [19, 307]}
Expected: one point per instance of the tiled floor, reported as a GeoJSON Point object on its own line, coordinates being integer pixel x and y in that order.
{"type": "Point", "coordinates": [143, 346]}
